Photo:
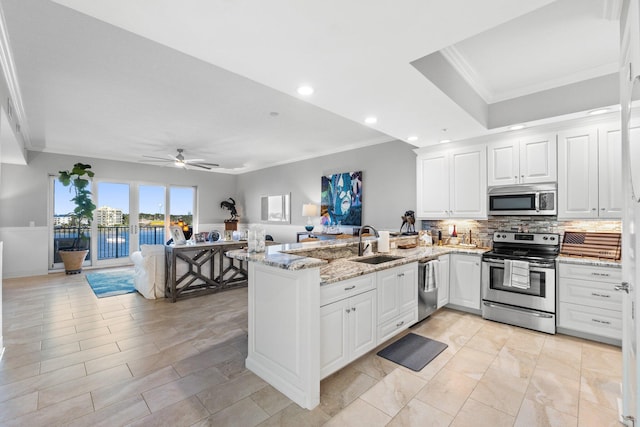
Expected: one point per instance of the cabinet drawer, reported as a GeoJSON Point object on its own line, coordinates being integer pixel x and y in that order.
{"type": "Point", "coordinates": [591, 293]}
{"type": "Point", "coordinates": [592, 320]}
{"type": "Point", "coordinates": [346, 288]}
{"type": "Point", "coordinates": [589, 272]}
{"type": "Point", "coordinates": [396, 325]}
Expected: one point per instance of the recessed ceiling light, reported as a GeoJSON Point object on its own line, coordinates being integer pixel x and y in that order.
{"type": "Point", "coordinates": [412, 138]}
{"type": "Point", "coordinates": [371, 120]}
{"type": "Point", "coordinates": [516, 127]}
{"type": "Point", "coordinates": [598, 111]}
{"type": "Point", "coordinates": [305, 90]}
{"type": "Point", "coordinates": [444, 141]}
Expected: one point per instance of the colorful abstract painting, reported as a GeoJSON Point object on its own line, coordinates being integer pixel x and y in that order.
{"type": "Point", "coordinates": [341, 199]}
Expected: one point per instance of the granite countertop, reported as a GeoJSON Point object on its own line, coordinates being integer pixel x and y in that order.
{"type": "Point", "coordinates": [597, 262]}
{"type": "Point", "coordinates": [334, 270]}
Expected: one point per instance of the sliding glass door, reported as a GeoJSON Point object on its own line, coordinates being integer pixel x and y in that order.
{"type": "Point", "coordinates": [128, 215]}
{"type": "Point", "coordinates": [116, 233]}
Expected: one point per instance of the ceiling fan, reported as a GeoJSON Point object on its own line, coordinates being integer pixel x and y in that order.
{"type": "Point", "coordinates": [179, 161]}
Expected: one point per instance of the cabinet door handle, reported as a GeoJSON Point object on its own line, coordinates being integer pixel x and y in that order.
{"type": "Point", "coordinates": [400, 274]}
{"type": "Point", "coordinates": [595, 294]}
{"type": "Point", "coordinates": [595, 273]}
{"type": "Point", "coordinates": [624, 286]}
{"type": "Point", "coordinates": [350, 287]}
{"type": "Point", "coordinates": [604, 322]}
{"type": "Point", "coordinates": [399, 324]}
{"type": "Point", "coordinates": [603, 209]}
{"type": "Point", "coordinates": [353, 309]}
{"type": "Point", "coordinates": [348, 311]}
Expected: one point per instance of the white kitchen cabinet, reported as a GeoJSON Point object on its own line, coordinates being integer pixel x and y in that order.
{"type": "Point", "coordinates": [589, 306]}
{"type": "Point", "coordinates": [610, 170]}
{"type": "Point", "coordinates": [529, 160]}
{"type": "Point", "coordinates": [432, 171]}
{"type": "Point", "coordinates": [347, 330]}
{"type": "Point", "coordinates": [589, 173]}
{"type": "Point", "coordinates": [397, 299]}
{"type": "Point", "coordinates": [464, 281]}
{"type": "Point", "coordinates": [443, 281]}
{"type": "Point", "coordinates": [453, 183]}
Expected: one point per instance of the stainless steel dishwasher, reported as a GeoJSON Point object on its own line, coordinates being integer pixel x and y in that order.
{"type": "Point", "coordinates": [428, 274]}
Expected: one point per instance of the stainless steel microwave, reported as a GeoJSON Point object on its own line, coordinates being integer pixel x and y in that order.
{"type": "Point", "coordinates": [539, 199]}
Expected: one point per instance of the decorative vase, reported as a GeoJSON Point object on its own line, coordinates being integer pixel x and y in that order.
{"type": "Point", "coordinates": [73, 260]}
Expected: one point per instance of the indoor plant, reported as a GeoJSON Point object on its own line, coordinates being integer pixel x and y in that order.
{"type": "Point", "coordinates": [79, 180]}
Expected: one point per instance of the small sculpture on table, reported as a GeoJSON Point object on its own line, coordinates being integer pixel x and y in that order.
{"type": "Point", "coordinates": [408, 221]}
{"type": "Point", "coordinates": [231, 223]}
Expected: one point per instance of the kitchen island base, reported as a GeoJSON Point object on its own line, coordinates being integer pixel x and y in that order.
{"type": "Point", "coordinates": [283, 311]}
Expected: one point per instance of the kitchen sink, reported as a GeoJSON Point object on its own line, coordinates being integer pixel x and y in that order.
{"type": "Point", "coordinates": [377, 259]}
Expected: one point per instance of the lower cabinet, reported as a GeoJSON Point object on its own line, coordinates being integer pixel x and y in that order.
{"type": "Point", "coordinates": [348, 330]}
{"type": "Point", "coordinates": [397, 300]}
{"type": "Point", "coordinates": [588, 303]}
{"type": "Point", "coordinates": [360, 313]}
{"type": "Point", "coordinates": [464, 281]}
{"type": "Point", "coordinates": [443, 281]}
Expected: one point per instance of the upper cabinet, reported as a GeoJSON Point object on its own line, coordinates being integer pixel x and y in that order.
{"type": "Point", "coordinates": [526, 161]}
{"type": "Point", "coordinates": [452, 184]}
{"type": "Point", "coordinates": [589, 173]}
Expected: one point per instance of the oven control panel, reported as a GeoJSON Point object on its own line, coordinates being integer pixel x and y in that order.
{"type": "Point", "coordinates": [550, 239]}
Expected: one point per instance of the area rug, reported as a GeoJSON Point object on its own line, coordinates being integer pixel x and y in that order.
{"type": "Point", "coordinates": [110, 283]}
{"type": "Point", "coordinates": [413, 351]}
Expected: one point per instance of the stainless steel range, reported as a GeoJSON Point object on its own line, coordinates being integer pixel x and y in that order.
{"type": "Point", "coordinates": [519, 280]}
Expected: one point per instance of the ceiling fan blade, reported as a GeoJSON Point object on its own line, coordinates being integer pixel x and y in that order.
{"type": "Point", "coordinates": [213, 165]}
{"type": "Point", "coordinates": [162, 159]}
{"type": "Point", "coordinates": [193, 160]}
{"type": "Point", "coordinates": [198, 166]}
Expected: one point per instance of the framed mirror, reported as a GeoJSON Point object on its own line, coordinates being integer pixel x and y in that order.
{"type": "Point", "coordinates": [275, 208]}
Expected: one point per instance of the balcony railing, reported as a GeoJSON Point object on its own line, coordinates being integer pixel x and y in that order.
{"type": "Point", "coordinates": [113, 242]}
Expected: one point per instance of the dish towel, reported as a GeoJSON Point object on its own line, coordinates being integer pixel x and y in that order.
{"type": "Point", "coordinates": [432, 271]}
{"type": "Point", "coordinates": [506, 278]}
{"type": "Point", "coordinates": [520, 275]}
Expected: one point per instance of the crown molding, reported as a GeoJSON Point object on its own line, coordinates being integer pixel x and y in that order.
{"type": "Point", "coordinates": [467, 72]}
{"type": "Point", "coordinates": [11, 79]}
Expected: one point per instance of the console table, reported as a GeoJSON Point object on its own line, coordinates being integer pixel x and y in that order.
{"type": "Point", "coordinates": [202, 268]}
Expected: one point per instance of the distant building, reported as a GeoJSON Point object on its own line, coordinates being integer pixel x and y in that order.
{"type": "Point", "coordinates": [60, 220]}
{"type": "Point", "coordinates": [107, 216]}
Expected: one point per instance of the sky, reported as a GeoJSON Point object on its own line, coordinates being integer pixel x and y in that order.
{"type": "Point", "coordinates": [116, 195]}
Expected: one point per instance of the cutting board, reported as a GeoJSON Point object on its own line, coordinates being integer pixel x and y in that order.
{"type": "Point", "coordinates": [591, 244]}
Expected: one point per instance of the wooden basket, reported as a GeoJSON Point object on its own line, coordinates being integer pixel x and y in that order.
{"type": "Point", "coordinates": [592, 245]}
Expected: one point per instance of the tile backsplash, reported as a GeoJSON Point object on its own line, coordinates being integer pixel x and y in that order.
{"type": "Point", "coordinates": [482, 230]}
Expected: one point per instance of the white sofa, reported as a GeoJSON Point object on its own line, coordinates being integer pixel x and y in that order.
{"type": "Point", "coordinates": [149, 271]}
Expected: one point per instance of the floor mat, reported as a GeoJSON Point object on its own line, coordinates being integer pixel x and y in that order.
{"type": "Point", "coordinates": [110, 283]}
{"type": "Point", "coordinates": [413, 351]}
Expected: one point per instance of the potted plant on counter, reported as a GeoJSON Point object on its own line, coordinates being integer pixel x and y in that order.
{"type": "Point", "coordinates": [79, 180]}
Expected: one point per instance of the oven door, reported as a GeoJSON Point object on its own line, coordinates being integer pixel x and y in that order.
{"type": "Point", "coordinates": [541, 295]}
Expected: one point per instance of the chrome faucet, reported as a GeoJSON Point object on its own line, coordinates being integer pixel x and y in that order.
{"type": "Point", "coordinates": [361, 249]}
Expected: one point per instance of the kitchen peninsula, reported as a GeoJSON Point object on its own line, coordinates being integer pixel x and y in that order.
{"type": "Point", "coordinates": [289, 288]}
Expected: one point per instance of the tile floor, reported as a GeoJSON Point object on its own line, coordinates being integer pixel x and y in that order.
{"type": "Point", "coordinates": [73, 359]}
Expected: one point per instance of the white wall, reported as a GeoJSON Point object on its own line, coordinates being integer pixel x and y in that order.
{"type": "Point", "coordinates": [388, 189]}
{"type": "Point", "coordinates": [27, 251]}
